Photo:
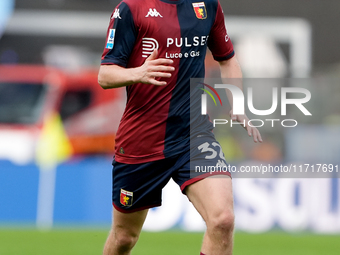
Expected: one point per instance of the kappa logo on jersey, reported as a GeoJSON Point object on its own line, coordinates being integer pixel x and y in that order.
{"type": "Point", "coordinates": [116, 15]}
{"type": "Point", "coordinates": [148, 46]}
{"type": "Point", "coordinates": [126, 197]}
{"type": "Point", "coordinates": [153, 13]}
{"type": "Point", "coordinates": [200, 11]}
{"type": "Point", "coordinates": [110, 39]}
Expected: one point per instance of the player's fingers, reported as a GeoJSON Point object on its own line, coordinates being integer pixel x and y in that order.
{"type": "Point", "coordinates": [259, 137]}
{"type": "Point", "coordinates": [256, 135]}
{"type": "Point", "coordinates": [153, 55]}
{"type": "Point", "coordinates": [249, 130]}
{"type": "Point", "coordinates": [162, 61]}
{"type": "Point", "coordinates": [161, 68]}
{"type": "Point", "coordinates": [156, 82]}
{"type": "Point", "coordinates": [160, 74]}
{"type": "Point", "coordinates": [255, 138]}
{"type": "Point", "coordinates": [232, 116]}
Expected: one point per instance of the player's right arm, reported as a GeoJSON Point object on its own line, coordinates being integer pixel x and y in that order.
{"type": "Point", "coordinates": [121, 37]}
{"type": "Point", "coordinates": [114, 76]}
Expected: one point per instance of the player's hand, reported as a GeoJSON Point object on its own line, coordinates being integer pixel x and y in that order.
{"type": "Point", "coordinates": [154, 68]}
{"type": "Point", "coordinates": [252, 131]}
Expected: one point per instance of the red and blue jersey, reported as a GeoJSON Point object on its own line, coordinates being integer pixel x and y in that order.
{"type": "Point", "coordinates": [156, 120]}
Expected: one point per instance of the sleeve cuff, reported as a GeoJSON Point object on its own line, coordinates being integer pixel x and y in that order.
{"type": "Point", "coordinates": [229, 56]}
{"type": "Point", "coordinates": [113, 62]}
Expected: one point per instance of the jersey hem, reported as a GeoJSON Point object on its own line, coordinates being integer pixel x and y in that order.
{"type": "Point", "coordinates": [148, 158]}
{"type": "Point", "coordinates": [137, 160]}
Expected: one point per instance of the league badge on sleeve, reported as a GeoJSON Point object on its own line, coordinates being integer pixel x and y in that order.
{"type": "Point", "coordinates": [126, 197]}
{"type": "Point", "coordinates": [110, 39]}
{"type": "Point", "coordinates": [200, 10]}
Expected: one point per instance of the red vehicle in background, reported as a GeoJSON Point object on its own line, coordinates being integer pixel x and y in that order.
{"type": "Point", "coordinates": [28, 94]}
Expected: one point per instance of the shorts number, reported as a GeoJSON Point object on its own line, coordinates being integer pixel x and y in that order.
{"type": "Point", "coordinates": [205, 147]}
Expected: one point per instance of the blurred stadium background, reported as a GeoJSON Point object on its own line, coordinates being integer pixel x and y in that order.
{"type": "Point", "coordinates": [55, 149]}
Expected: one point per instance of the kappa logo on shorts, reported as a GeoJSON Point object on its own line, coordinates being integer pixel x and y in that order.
{"type": "Point", "coordinates": [200, 10]}
{"type": "Point", "coordinates": [126, 197]}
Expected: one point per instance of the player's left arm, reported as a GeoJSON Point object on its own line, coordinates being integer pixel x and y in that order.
{"type": "Point", "coordinates": [223, 51]}
{"type": "Point", "coordinates": [230, 69]}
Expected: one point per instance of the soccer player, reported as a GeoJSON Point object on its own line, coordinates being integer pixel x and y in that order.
{"type": "Point", "coordinates": [153, 48]}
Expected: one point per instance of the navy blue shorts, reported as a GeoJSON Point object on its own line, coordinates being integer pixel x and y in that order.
{"type": "Point", "coordinates": [139, 186]}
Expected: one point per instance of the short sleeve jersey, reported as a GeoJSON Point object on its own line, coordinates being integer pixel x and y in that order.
{"type": "Point", "coordinates": [156, 120]}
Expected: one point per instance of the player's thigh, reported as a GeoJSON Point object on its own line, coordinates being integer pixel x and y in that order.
{"type": "Point", "coordinates": [129, 224]}
{"type": "Point", "coordinates": [212, 197]}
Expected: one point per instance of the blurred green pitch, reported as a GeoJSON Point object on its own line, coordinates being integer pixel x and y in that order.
{"type": "Point", "coordinates": [85, 241]}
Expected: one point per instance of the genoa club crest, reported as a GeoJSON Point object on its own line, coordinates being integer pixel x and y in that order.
{"type": "Point", "coordinates": [126, 197]}
{"type": "Point", "coordinates": [200, 11]}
